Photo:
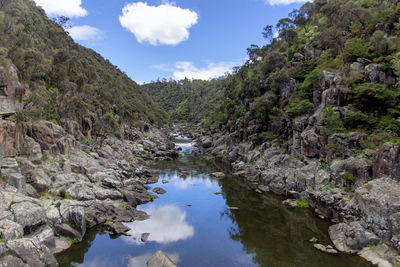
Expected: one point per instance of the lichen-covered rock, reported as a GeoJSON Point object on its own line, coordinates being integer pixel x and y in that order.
{"type": "Point", "coordinates": [10, 230]}
{"type": "Point", "coordinates": [387, 161]}
{"type": "Point", "coordinates": [29, 215]}
{"type": "Point", "coordinates": [377, 205]}
{"type": "Point", "coordinates": [352, 237]}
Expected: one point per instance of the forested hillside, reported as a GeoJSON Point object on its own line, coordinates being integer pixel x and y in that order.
{"type": "Point", "coordinates": [68, 81]}
{"type": "Point", "coordinates": [187, 100]}
{"type": "Point", "coordinates": [336, 59]}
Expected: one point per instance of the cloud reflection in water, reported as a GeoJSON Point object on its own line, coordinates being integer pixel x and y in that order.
{"type": "Point", "coordinates": [167, 224]}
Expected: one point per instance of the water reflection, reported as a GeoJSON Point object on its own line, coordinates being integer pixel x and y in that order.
{"type": "Point", "coordinates": [140, 261]}
{"type": "Point", "coordinates": [167, 224]}
{"type": "Point", "coordinates": [176, 180]}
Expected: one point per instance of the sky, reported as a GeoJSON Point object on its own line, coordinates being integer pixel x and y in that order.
{"type": "Point", "coordinates": [156, 39]}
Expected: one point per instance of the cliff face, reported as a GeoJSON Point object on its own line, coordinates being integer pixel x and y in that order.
{"type": "Point", "coordinates": [12, 91]}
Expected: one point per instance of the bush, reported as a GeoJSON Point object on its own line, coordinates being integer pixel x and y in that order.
{"type": "Point", "coordinates": [62, 193]}
{"type": "Point", "coordinates": [298, 107]}
{"type": "Point", "coordinates": [302, 204]}
{"type": "Point", "coordinates": [263, 105]}
{"type": "Point", "coordinates": [373, 95]}
{"type": "Point", "coordinates": [355, 48]}
{"type": "Point", "coordinates": [359, 120]}
{"type": "Point", "coordinates": [333, 122]}
{"type": "Point", "coordinates": [349, 178]}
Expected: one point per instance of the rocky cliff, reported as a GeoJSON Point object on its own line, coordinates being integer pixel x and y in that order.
{"type": "Point", "coordinates": [54, 188]}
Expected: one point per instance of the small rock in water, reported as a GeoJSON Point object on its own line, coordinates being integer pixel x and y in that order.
{"type": "Point", "coordinates": [159, 190]}
{"type": "Point", "coordinates": [145, 237]}
{"type": "Point", "coordinates": [189, 205]}
{"type": "Point", "coordinates": [258, 191]}
{"type": "Point", "coordinates": [118, 228]}
{"type": "Point", "coordinates": [164, 181]}
{"type": "Point", "coordinates": [218, 174]}
{"type": "Point", "coordinates": [233, 208]}
{"type": "Point", "coordinates": [159, 259]}
{"type": "Point", "coordinates": [263, 188]}
{"type": "Point", "coordinates": [217, 193]}
{"type": "Point", "coordinates": [290, 203]}
{"type": "Point", "coordinates": [326, 249]}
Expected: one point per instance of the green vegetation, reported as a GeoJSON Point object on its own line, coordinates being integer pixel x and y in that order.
{"type": "Point", "coordinates": [349, 178]}
{"type": "Point", "coordinates": [107, 223]}
{"type": "Point", "coordinates": [62, 193]}
{"type": "Point", "coordinates": [67, 80]}
{"type": "Point", "coordinates": [151, 197]}
{"type": "Point", "coordinates": [277, 84]}
{"type": "Point", "coordinates": [314, 239]}
{"type": "Point", "coordinates": [71, 240]}
{"type": "Point", "coordinates": [302, 204]}
{"type": "Point", "coordinates": [47, 196]}
{"type": "Point", "coordinates": [333, 122]}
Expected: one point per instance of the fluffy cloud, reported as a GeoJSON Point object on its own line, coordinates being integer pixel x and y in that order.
{"type": "Point", "coordinates": [68, 8]}
{"type": "Point", "coordinates": [84, 33]}
{"type": "Point", "coordinates": [284, 2]}
{"type": "Point", "coordinates": [165, 24]}
{"type": "Point", "coordinates": [212, 70]}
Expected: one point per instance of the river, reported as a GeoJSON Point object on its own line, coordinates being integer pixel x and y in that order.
{"type": "Point", "coordinates": [204, 221]}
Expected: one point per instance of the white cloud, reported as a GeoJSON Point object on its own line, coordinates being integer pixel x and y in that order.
{"type": "Point", "coordinates": [68, 8]}
{"type": "Point", "coordinates": [212, 70]}
{"type": "Point", "coordinates": [167, 224]}
{"type": "Point", "coordinates": [84, 33]}
{"type": "Point", "coordinates": [165, 24]}
{"type": "Point", "coordinates": [284, 2]}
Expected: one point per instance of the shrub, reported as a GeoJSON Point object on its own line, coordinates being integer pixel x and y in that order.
{"type": "Point", "coordinates": [302, 204]}
{"type": "Point", "coordinates": [349, 178]}
{"type": "Point", "coordinates": [263, 105]}
{"type": "Point", "coordinates": [368, 95]}
{"type": "Point", "coordinates": [359, 120]}
{"type": "Point", "coordinates": [62, 193]}
{"type": "Point", "coordinates": [298, 107]}
{"type": "Point", "coordinates": [333, 122]}
{"type": "Point", "coordinates": [355, 48]}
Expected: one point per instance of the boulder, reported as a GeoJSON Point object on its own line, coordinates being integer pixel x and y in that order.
{"type": "Point", "coordinates": [118, 228]}
{"type": "Point", "coordinates": [14, 179]}
{"type": "Point", "coordinates": [310, 143]}
{"type": "Point", "coordinates": [29, 215]}
{"type": "Point", "coordinates": [67, 231]}
{"type": "Point", "coordinates": [159, 259]}
{"type": "Point", "coordinates": [73, 212]}
{"type": "Point", "coordinates": [10, 230]}
{"type": "Point", "coordinates": [378, 203]}
{"type": "Point", "coordinates": [159, 190]}
{"type": "Point", "coordinates": [352, 237]}
{"type": "Point", "coordinates": [207, 143]}
{"type": "Point", "coordinates": [26, 250]}
{"type": "Point", "coordinates": [386, 161]}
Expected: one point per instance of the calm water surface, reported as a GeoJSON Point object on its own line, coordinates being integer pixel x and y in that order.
{"type": "Point", "coordinates": [195, 227]}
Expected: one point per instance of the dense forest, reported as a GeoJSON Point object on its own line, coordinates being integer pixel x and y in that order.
{"type": "Point", "coordinates": [67, 80]}
{"type": "Point", "coordinates": [187, 100]}
{"type": "Point", "coordinates": [351, 47]}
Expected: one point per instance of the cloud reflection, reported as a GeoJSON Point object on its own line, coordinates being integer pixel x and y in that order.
{"type": "Point", "coordinates": [167, 224]}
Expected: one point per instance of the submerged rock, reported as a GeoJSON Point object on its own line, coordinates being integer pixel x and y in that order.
{"type": "Point", "coordinates": [159, 259]}
{"type": "Point", "coordinates": [144, 237]}
{"type": "Point", "coordinates": [159, 190]}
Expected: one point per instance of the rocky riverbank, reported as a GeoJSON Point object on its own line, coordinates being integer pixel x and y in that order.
{"type": "Point", "coordinates": [366, 211]}
{"type": "Point", "coordinates": [54, 186]}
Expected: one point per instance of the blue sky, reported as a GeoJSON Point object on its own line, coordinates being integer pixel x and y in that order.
{"type": "Point", "coordinates": [160, 39]}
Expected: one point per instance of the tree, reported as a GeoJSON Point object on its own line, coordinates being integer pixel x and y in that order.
{"type": "Point", "coordinates": [268, 33]}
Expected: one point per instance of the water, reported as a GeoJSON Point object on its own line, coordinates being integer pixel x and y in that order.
{"type": "Point", "coordinates": [195, 226]}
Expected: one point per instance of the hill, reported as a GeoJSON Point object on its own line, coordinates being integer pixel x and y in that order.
{"type": "Point", "coordinates": [65, 81]}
